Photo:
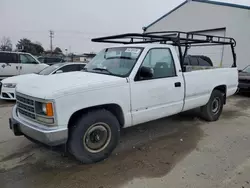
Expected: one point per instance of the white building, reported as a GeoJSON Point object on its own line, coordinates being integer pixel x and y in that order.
{"type": "Point", "coordinates": [214, 18]}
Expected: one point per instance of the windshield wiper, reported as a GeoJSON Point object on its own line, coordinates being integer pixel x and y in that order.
{"type": "Point", "coordinates": [103, 69]}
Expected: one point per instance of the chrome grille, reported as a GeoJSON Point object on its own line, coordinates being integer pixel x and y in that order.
{"type": "Point", "coordinates": [32, 116]}
{"type": "Point", "coordinates": [25, 106]}
{"type": "Point", "coordinates": [24, 100]}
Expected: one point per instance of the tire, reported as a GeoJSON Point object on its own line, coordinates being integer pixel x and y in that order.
{"type": "Point", "coordinates": [212, 110]}
{"type": "Point", "coordinates": [90, 130]}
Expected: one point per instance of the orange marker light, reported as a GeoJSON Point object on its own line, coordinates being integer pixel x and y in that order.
{"type": "Point", "coordinates": [49, 108]}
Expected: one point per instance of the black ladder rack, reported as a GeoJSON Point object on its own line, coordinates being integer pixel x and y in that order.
{"type": "Point", "coordinates": [176, 38]}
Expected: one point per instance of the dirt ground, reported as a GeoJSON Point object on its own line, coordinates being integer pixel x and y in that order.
{"type": "Point", "coordinates": [179, 151]}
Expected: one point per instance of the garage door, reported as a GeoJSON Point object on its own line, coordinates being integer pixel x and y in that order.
{"type": "Point", "coordinates": [214, 52]}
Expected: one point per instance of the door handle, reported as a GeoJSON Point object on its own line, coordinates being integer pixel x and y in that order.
{"type": "Point", "coordinates": [177, 84]}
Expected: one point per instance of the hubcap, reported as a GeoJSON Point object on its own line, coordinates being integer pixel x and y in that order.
{"type": "Point", "coordinates": [216, 105]}
{"type": "Point", "coordinates": [97, 137]}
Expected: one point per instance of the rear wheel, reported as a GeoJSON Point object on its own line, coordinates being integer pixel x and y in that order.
{"type": "Point", "coordinates": [94, 136]}
{"type": "Point", "coordinates": [212, 110]}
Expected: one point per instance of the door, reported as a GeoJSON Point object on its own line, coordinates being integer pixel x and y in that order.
{"type": "Point", "coordinates": [162, 94]}
{"type": "Point", "coordinates": [8, 64]}
{"type": "Point", "coordinates": [28, 64]}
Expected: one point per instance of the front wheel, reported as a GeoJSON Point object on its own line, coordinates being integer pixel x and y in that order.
{"type": "Point", "coordinates": [94, 136]}
{"type": "Point", "coordinates": [213, 109]}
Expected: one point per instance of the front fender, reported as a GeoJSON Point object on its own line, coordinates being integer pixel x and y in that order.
{"type": "Point", "coordinates": [66, 106]}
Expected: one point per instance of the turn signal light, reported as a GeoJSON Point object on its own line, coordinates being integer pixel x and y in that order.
{"type": "Point", "coordinates": [49, 109]}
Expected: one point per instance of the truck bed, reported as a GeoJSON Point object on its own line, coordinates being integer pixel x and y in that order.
{"type": "Point", "coordinates": [200, 83]}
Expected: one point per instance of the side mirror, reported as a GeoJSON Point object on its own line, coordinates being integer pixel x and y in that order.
{"type": "Point", "coordinates": [146, 73]}
{"type": "Point", "coordinates": [240, 71]}
{"type": "Point", "coordinates": [59, 71]}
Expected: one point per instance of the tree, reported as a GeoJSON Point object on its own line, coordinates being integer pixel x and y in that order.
{"type": "Point", "coordinates": [25, 45]}
{"type": "Point", "coordinates": [39, 49]}
{"type": "Point", "coordinates": [6, 44]}
{"type": "Point", "coordinates": [57, 50]}
{"type": "Point", "coordinates": [39, 43]}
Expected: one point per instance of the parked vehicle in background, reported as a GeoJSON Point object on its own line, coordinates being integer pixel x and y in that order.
{"type": "Point", "coordinates": [8, 85]}
{"type": "Point", "coordinates": [51, 60]}
{"type": "Point", "coordinates": [244, 79]}
{"type": "Point", "coordinates": [18, 63]}
{"type": "Point", "coordinates": [197, 60]}
{"type": "Point", "coordinates": [121, 86]}
{"type": "Point", "coordinates": [193, 62]}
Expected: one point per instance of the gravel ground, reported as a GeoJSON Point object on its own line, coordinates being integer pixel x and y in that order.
{"type": "Point", "coordinates": [179, 151]}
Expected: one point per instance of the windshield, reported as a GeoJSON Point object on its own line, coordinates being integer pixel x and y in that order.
{"type": "Point", "coordinates": [247, 69]}
{"type": "Point", "coordinates": [49, 70]}
{"type": "Point", "coordinates": [114, 61]}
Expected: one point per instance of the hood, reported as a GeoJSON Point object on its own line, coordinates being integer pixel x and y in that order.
{"type": "Point", "coordinates": [18, 79]}
{"type": "Point", "coordinates": [244, 75]}
{"type": "Point", "coordinates": [57, 85]}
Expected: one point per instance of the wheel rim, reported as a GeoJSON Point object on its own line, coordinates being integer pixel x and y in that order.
{"type": "Point", "coordinates": [216, 105]}
{"type": "Point", "coordinates": [97, 137]}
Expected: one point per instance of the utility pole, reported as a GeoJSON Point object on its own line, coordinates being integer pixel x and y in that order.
{"type": "Point", "coordinates": [51, 36]}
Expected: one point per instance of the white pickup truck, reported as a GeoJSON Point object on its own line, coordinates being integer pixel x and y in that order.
{"type": "Point", "coordinates": [121, 87]}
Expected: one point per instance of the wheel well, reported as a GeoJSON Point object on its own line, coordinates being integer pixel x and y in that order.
{"type": "Point", "coordinates": [113, 108]}
{"type": "Point", "coordinates": [223, 89]}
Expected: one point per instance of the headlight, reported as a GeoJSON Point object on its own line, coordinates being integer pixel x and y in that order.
{"type": "Point", "coordinates": [45, 109]}
{"type": "Point", "coordinates": [9, 85]}
{"type": "Point", "coordinates": [45, 112]}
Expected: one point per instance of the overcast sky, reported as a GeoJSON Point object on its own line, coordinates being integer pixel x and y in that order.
{"type": "Point", "coordinates": [75, 22]}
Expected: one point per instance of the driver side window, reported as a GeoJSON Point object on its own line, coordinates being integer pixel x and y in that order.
{"type": "Point", "coordinates": [161, 62]}
{"type": "Point", "coordinates": [27, 59]}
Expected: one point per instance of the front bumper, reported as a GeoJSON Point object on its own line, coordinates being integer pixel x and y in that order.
{"type": "Point", "coordinates": [48, 136]}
